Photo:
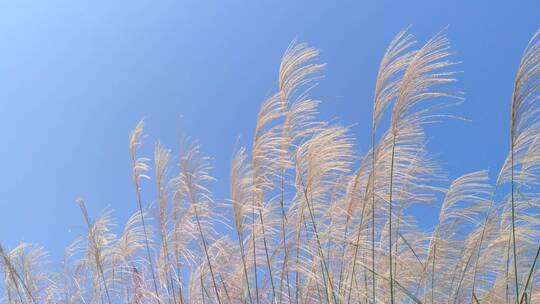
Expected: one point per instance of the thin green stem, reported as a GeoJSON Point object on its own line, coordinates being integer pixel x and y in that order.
{"type": "Point", "coordinates": [285, 269]}
{"type": "Point", "coordinates": [530, 275]}
{"type": "Point", "coordinates": [242, 253]}
{"type": "Point", "coordinates": [514, 220]}
{"type": "Point", "coordinates": [207, 256]}
{"type": "Point", "coordinates": [482, 238]}
{"type": "Point", "coordinates": [357, 246]}
{"type": "Point", "coordinates": [267, 256]}
{"type": "Point", "coordinates": [390, 219]}
{"type": "Point", "coordinates": [254, 252]}
{"type": "Point", "coordinates": [373, 161]}
{"type": "Point", "coordinates": [321, 253]}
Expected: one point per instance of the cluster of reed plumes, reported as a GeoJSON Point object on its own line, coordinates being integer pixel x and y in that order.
{"type": "Point", "coordinates": [311, 220]}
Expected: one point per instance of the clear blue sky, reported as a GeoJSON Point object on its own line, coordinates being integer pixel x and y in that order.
{"type": "Point", "coordinates": [76, 76]}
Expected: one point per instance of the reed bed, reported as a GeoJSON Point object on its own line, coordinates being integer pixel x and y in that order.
{"type": "Point", "coordinates": [308, 219]}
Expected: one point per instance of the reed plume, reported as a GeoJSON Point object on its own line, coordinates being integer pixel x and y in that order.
{"type": "Point", "coordinates": [308, 218]}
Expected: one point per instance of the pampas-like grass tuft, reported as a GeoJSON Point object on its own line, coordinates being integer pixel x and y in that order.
{"type": "Point", "coordinates": [309, 220]}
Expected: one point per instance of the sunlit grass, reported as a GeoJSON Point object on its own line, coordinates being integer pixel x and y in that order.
{"type": "Point", "coordinates": [311, 221]}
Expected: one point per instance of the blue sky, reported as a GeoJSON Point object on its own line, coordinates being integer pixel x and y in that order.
{"type": "Point", "coordinates": [76, 76]}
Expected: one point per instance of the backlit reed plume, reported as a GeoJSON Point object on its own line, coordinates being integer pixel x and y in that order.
{"type": "Point", "coordinates": [311, 219]}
